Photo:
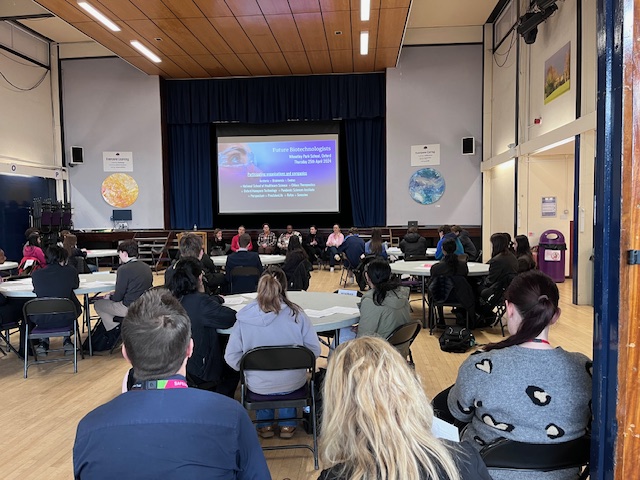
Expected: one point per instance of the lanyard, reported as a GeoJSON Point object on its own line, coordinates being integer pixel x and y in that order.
{"type": "Point", "coordinates": [160, 384]}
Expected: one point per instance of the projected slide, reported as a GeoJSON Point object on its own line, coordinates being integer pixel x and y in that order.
{"type": "Point", "coordinates": [276, 174]}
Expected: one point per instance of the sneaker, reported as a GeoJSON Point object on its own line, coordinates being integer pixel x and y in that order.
{"type": "Point", "coordinates": [331, 269]}
{"type": "Point", "coordinates": [68, 347]}
{"type": "Point", "coordinates": [337, 257]}
{"type": "Point", "coordinates": [287, 432]}
{"type": "Point", "coordinates": [266, 432]}
{"type": "Point", "coordinates": [41, 350]}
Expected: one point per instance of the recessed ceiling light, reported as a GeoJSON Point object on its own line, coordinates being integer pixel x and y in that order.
{"type": "Point", "coordinates": [365, 10]}
{"type": "Point", "coordinates": [145, 51]}
{"type": "Point", "coordinates": [158, 39]}
{"type": "Point", "coordinates": [99, 16]}
{"type": "Point", "coordinates": [338, 32]}
{"type": "Point", "coordinates": [364, 43]}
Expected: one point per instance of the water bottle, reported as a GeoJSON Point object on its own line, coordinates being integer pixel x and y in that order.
{"type": "Point", "coordinates": [195, 227]}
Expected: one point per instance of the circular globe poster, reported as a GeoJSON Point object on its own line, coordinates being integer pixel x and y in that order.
{"type": "Point", "coordinates": [426, 186]}
{"type": "Point", "coordinates": [119, 190]}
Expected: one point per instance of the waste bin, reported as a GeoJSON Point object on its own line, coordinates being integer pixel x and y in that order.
{"type": "Point", "coordinates": [551, 254]}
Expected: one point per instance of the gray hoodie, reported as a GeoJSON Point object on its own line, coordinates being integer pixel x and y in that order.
{"type": "Point", "coordinates": [255, 328]}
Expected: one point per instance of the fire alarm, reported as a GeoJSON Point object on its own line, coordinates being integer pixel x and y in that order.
{"type": "Point", "coordinates": [537, 121]}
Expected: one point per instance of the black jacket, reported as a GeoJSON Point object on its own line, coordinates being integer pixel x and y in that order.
{"type": "Point", "coordinates": [57, 281]}
{"type": "Point", "coordinates": [207, 314]}
{"type": "Point", "coordinates": [413, 245]}
{"type": "Point", "coordinates": [501, 267]}
{"type": "Point", "coordinates": [469, 247]}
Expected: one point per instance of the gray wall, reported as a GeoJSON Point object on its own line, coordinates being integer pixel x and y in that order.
{"type": "Point", "coordinates": [435, 96]}
{"type": "Point", "coordinates": [108, 105]}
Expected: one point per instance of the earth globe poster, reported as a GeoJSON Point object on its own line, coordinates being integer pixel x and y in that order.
{"type": "Point", "coordinates": [426, 186]}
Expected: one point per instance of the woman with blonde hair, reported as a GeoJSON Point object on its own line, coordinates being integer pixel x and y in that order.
{"type": "Point", "coordinates": [272, 320]}
{"type": "Point", "coordinates": [376, 421]}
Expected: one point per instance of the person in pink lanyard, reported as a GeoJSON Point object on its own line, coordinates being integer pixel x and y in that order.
{"type": "Point", "coordinates": [334, 240]}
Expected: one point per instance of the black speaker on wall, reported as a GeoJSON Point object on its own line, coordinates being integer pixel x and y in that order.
{"type": "Point", "coordinates": [76, 156]}
{"type": "Point", "coordinates": [468, 146]}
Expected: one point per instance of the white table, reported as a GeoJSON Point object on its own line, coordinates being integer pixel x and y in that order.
{"type": "Point", "coordinates": [101, 253]}
{"type": "Point", "coordinates": [422, 269]}
{"type": "Point", "coordinates": [89, 283]}
{"type": "Point", "coordinates": [395, 251]}
{"type": "Point", "coordinates": [221, 260]}
{"type": "Point", "coordinates": [311, 301]}
{"type": "Point", "coordinates": [9, 266]}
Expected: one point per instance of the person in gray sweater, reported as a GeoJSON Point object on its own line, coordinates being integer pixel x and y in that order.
{"type": "Point", "coordinates": [271, 320]}
{"type": "Point", "coordinates": [523, 388]}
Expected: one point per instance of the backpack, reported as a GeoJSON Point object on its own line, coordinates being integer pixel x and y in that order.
{"type": "Point", "coordinates": [456, 339]}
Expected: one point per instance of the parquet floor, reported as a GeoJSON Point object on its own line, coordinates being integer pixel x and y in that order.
{"type": "Point", "coordinates": [39, 415]}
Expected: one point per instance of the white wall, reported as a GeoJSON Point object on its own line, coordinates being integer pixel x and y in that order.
{"type": "Point", "coordinates": [503, 95]}
{"type": "Point", "coordinates": [435, 96]}
{"type": "Point", "coordinates": [109, 105]}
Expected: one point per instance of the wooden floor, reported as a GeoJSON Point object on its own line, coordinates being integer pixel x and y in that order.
{"type": "Point", "coordinates": [39, 415]}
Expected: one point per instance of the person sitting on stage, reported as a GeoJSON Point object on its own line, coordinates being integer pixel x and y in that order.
{"type": "Point", "coordinates": [190, 246]}
{"type": "Point", "coordinates": [283, 239]}
{"type": "Point", "coordinates": [235, 241]}
{"type": "Point", "coordinates": [334, 241]}
{"type": "Point", "coordinates": [162, 429]}
{"type": "Point", "coordinates": [266, 240]}
{"type": "Point", "coordinates": [133, 278]}
{"type": "Point", "coordinates": [445, 232]}
{"type": "Point", "coordinates": [314, 244]}
{"type": "Point", "coordinates": [218, 245]}
{"type": "Point", "coordinates": [242, 258]}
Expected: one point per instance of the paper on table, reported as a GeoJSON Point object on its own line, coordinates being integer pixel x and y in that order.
{"type": "Point", "coordinates": [315, 313]}
{"type": "Point", "coordinates": [15, 286]}
{"type": "Point", "coordinates": [442, 429]}
{"type": "Point", "coordinates": [344, 310]}
{"type": "Point", "coordinates": [234, 300]}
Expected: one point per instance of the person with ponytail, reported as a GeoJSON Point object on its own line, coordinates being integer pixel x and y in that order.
{"type": "Point", "coordinates": [376, 421]}
{"type": "Point", "coordinates": [272, 320]}
{"type": "Point", "coordinates": [524, 388]}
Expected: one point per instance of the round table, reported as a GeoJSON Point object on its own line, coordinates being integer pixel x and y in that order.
{"type": "Point", "coordinates": [422, 269]}
{"type": "Point", "coordinates": [221, 260]}
{"type": "Point", "coordinates": [9, 266]}
{"type": "Point", "coordinates": [89, 283]}
{"type": "Point", "coordinates": [314, 304]}
{"type": "Point", "coordinates": [101, 253]}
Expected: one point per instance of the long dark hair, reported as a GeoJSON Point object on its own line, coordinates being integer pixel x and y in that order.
{"type": "Point", "coordinates": [185, 278]}
{"type": "Point", "coordinates": [450, 258]}
{"type": "Point", "coordinates": [522, 245]}
{"type": "Point", "coordinates": [376, 242]}
{"type": "Point", "coordinates": [499, 244]}
{"type": "Point", "coordinates": [379, 273]}
{"type": "Point", "coordinates": [295, 246]}
{"type": "Point", "coordinates": [536, 298]}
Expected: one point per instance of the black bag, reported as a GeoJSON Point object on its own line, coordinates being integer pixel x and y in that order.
{"type": "Point", "coordinates": [319, 381]}
{"type": "Point", "coordinates": [101, 340]}
{"type": "Point", "coordinates": [456, 339]}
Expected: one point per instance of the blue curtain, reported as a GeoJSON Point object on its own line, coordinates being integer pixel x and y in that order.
{"type": "Point", "coordinates": [192, 105]}
{"type": "Point", "coordinates": [191, 196]}
{"type": "Point", "coordinates": [367, 173]}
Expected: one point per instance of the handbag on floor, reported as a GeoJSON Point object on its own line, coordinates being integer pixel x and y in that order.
{"type": "Point", "coordinates": [101, 339]}
{"type": "Point", "coordinates": [456, 339]}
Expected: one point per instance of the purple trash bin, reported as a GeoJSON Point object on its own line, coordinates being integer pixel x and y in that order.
{"type": "Point", "coordinates": [551, 254]}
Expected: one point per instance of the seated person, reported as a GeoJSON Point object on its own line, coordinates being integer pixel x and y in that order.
{"type": "Point", "coordinates": [205, 368]}
{"type": "Point", "coordinates": [11, 313]}
{"type": "Point", "coordinates": [413, 244]}
{"type": "Point", "coordinates": [272, 320]}
{"type": "Point", "coordinates": [376, 246]}
{"type": "Point", "coordinates": [314, 244]}
{"type": "Point", "coordinates": [503, 265]}
{"type": "Point", "coordinates": [235, 245]}
{"type": "Point", "coordinates": [242, 258]}
{"type": "Point", "coordinates": [283, 239]}
{"type": "Point", "coordinates": [352, 247]}
{"type": "Point", "coordinates": [297, 276]}
{"type": "Point", "coordinates": [523, 388]}
{"type": "Point", "coordinates": [445, 232]}
{"type": "Point", "coordinates": [333, 242]}
{"type": "Point", "coordinates": [77, 258]}
{"type": "Point", "coordinates": [33, 251]}
{"type": "Point", "coordinates": [133, 278]}
{"type": "Point", "coordinates": [190, 246]}
{"type": "Point", "coordinates": [218, 245]}
{"type": "Point", "coordinates": [266, 240]}
{"type": "Point", "coordinates": [3, 259]}
{"type": "Point", "coordinates": [468, 246]}
{"type": "Point", "coordinates": [368, 391]}
{"type": "Point", "coordinates": [57, 280]}
{"type": "Point", "coordinates": [163, 429]}
{"type": "Point", "coordinates": [524, 256]}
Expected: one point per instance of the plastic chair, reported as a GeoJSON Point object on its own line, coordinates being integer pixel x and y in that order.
{"type": "Point", "coordinates": [511, 455]}
{"type": "Point", "coordinates": [275, 358]}
{"type": "Point", "coordinates": [51, 317]}
{"type": "Point", "coordinates": [403, 336]}
{"type": "Point", "coordinates": [244, 279]}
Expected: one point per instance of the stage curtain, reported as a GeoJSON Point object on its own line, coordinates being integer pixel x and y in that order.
{"type": "Point", "coordinates": [192, 105]}
{"type": "Point", "coordinates": [191, 199]}
{"type": "Point", "coordinates": [367, 172]}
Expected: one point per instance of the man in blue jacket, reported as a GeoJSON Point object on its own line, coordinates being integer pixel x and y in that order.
{"type": "Point", "coordinates": [161, 428]}
{"type": "Point", "coordinates": [445, 232]}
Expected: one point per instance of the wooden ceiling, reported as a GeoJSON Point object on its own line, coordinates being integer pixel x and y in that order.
{"type": "Point", "coordinates": [219, 38]}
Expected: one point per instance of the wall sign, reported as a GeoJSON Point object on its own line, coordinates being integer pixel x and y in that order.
{"type": "Point", "coordinates": [549, 206]}
{"type": "Point", "coordinates": [423, 155]}
{"type": "Point", "coordinates": [117, 161]}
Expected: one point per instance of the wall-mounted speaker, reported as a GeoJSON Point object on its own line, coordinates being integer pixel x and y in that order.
{"type": "Point", "coordinates": [76, 156]}
{"type": "Point", "coordinates": [468, 146]}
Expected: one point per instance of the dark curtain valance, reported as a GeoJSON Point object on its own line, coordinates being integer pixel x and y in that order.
{"type": "Point", "coordinates": [193, 105]}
